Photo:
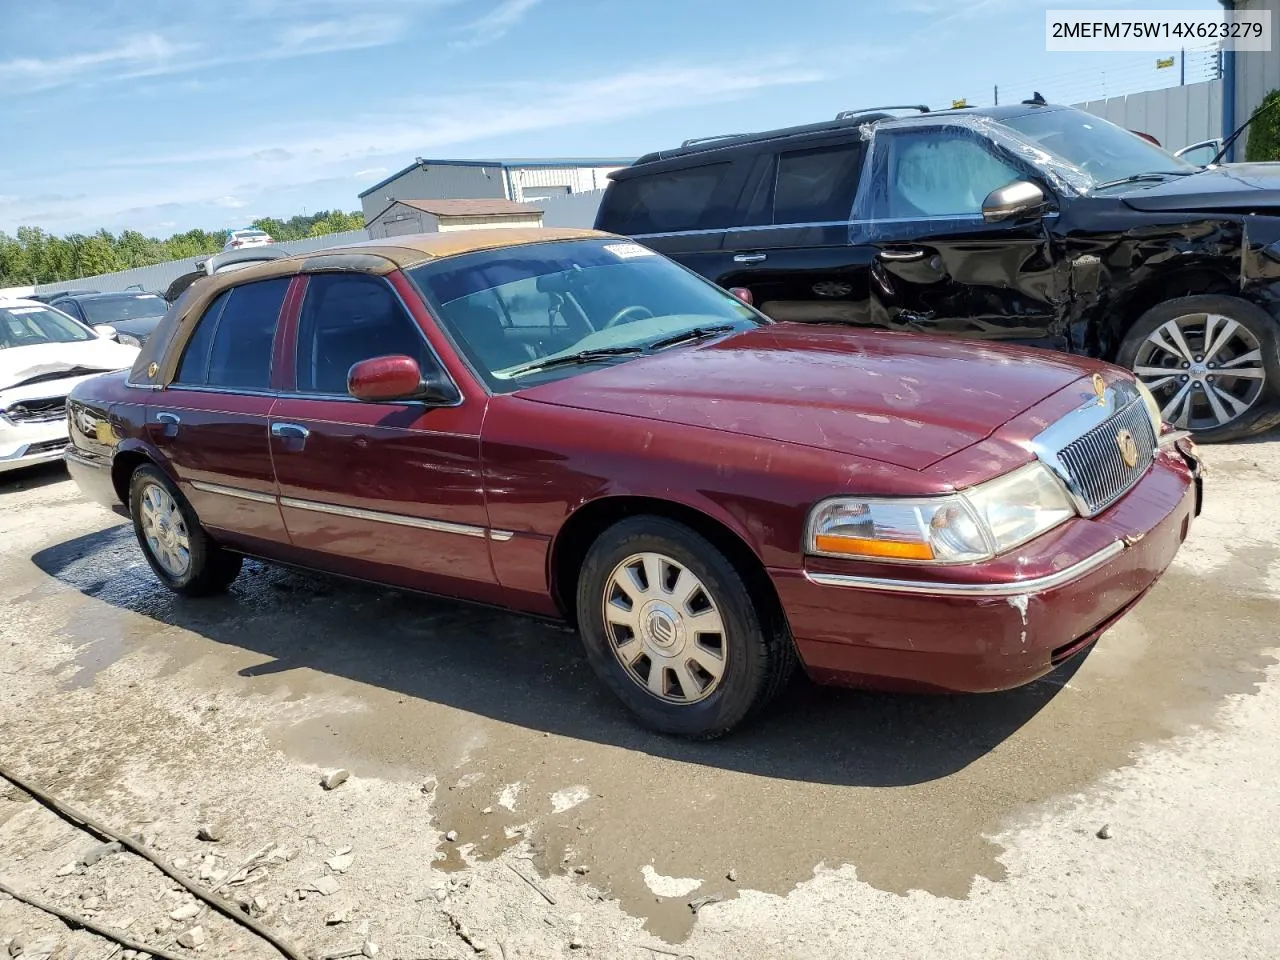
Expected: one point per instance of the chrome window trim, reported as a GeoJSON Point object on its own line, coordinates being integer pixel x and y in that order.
{"type": "Point", "coordinates": [1018, 588]}
{"type": "Point", "coordinates": [377, 516]}
{"type": "Point", "coordinates": [238, 492]}
{"type": "Point", "coordinates": [947, 218]}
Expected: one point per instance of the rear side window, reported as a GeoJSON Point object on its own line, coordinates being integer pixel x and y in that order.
{"type": "Point", "coordinates": [666, 202]}
{"type": "Point", "coordinates": [233, 341]}
{"type": "Point", "coordinates": [818, 185]}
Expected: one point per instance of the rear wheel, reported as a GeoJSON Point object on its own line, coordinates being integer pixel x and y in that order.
{"type": "Point", "coordinates": [1212, 362]}
{"type": "Point", "coordinates": [179, 551]}
{"type": "Point", "coordinates": [669, 625]}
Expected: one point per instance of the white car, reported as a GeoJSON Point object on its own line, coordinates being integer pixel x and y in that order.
{"type": "Point", "coordinates": [43, 354]}
{"type": "Point", "coordinates": [240, 239]}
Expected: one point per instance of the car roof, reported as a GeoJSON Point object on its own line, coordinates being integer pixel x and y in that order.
{"type": "Point", "coordinates": [20, 302]}
{"type": "Point", "coordinates": [114, 295]}
{"type": "Point", "coordinates": [847, 120]}
{"type": "Point", "coordinates": [376, 257]}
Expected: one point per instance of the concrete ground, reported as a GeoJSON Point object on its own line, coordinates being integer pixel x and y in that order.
{"type": "Point", "coordinates": [488, 768]}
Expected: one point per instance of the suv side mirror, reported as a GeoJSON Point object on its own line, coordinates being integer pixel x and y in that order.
{"type": "Point", "coordinates": [105, 331]}
{"type": "Point", "coordinates": [1199, 153]}
{"type": "Point", "coordinates": [397, 377]}
{"type": "Point", "coordinates": [1014, 201]}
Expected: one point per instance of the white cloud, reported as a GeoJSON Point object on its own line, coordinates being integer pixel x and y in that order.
{"type": "Point", "coordinates": [233, 203]}
{"type": "Point", "coordinates": [134, 55]}
{"type": "Point", "coordinates": [368, 174]}
{"type": "Point", "coordinates": [496, 24]}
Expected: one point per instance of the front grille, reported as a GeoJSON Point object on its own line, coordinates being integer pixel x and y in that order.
{"type": "Point", "coordinates": [1095, 465]}
{"type": "Point", "coordinates": [44, 410]}
{"type": "Point", "coordinates": [45, 446]}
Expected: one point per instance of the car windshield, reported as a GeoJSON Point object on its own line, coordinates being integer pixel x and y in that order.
{"type": "Point", "coordinates": [532, 313]}
{"type": "Point", "coordinates": [116, 309]}
{"type": "Point", "coordinates": [27, 326]}
{"type": "Point", "coordinates": [1103, 151]}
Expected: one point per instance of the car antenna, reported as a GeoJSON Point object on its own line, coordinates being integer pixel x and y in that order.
{"type": "Point", "coordinates": [1037, 98]}
{"type": "Point", "coordinates": [1226, 144]}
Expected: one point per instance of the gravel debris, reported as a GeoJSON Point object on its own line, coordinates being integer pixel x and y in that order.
{"type": "Point", "coordinates": [334, 779]}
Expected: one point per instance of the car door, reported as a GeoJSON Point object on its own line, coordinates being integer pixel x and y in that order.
{"type": "Point", "coordinates": [940, 267]}
{"type": "Point", "coordinates": [390, 491]}
{"type": "Point", "coordinates": [210, 423]}
{"type": "Point", "coordinates": [678, 207]}
{"type": "Point", "coordinates": [790, 246]}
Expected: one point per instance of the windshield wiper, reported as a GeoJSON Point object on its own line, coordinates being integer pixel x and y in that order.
{"type": "Point", "coordinates": [688, 336]}
{"type": "Point", "coordinates": [569, 359]}
{"type": "Point", "coordinates": [1140, 178]}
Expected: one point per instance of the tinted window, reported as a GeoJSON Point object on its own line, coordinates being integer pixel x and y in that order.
{"type": "Point", "coordinates": [233, 342]}
{"type": "Point", "coordinates": [346, 318]}
{"type": "Point", "coordinates": [817, 185]}
{"type": "Point", "coordinates": [665, 202]}
{"type": "Point", "coordinates": [117, 309]}
{"type": "Point", "coordinates": [194, 367]}
{"type": "Point", "coordinates": [938, 173]}
{"type": "Point", "coordinates": [70, 308]}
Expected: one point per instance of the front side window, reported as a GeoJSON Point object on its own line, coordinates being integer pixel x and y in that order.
{"type": "Point", "coordinates": [599, 301]}
{"type": "Point", "coordinates": [817, 185]}
{"type": "Point", "coordinates": [71, 309]}
{"type": "Point", "coordinates": [938, 173]}
{"type": "Point", "coordinates": [665, 202]}
{"type": "Point", "coordinates": [234, 339]}
{"type": "Point", "coordinates": [347, 318]}
{"type": "Point", "coordinates": [29, 326]}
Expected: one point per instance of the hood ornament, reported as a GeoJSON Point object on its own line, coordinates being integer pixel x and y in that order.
{"type": "Point", "coordinates": [1100, 388]}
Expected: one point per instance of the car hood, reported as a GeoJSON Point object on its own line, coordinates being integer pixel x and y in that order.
{"type": "Point", "coordinates": [897, 398]}
{"type": "Point", "coordinates": [19, 364]}
{"type": "Point", "coordinates": [1235, 186]}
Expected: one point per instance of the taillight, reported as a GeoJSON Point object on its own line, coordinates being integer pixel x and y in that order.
{"type": "Point", "coordinates": [743, 294]}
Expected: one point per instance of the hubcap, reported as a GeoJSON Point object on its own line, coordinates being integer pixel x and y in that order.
{"type": "Point", "coordinates": [164, 530]}
{"type": "Point", "coordinates": [1204, 369]}
{"type": "Point", "coordinates": [665, 629]}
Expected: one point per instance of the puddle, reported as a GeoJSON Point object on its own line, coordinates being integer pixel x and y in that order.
{"type": "Point", "coordinates": [507, 717]}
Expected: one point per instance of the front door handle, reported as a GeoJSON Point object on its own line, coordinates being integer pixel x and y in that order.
{"type": "Point", "coordinates": [750, 257]}
{"type": "Point", "coordinates": [294, 435]}
{"type": "Point", "coordinates": [168, 423]}
{"type": "Point", "coordinates": [902, 256]}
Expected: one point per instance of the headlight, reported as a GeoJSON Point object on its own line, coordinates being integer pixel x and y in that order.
{"type": "Point", "coordinates": [977, 524]}
{"type": "Point", "coordinates": [1153, 406]}
{"type": "Point", "coordinates": [128, 340]}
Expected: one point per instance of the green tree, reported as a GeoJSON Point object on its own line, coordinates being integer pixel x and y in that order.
{"type": "Point", "coordinates": [1264, 132]}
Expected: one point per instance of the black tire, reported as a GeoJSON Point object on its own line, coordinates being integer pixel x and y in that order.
{"type": "Point", "coordinates": [1263, 411]}
{"type": "Point", "coordinates": [758, 653]}
{"type": "Point", "coordinates": [211, 568]}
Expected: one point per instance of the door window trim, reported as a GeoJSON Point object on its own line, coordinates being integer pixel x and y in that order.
{"type": "Point", "coordinates": [292, 351]}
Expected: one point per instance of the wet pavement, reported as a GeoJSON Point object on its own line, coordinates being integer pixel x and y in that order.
{"type": "Point", "coordinates": [503, 714]}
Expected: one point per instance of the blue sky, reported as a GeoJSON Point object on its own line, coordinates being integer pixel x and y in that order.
{"type": "Point", "coordinates": [161, 115]}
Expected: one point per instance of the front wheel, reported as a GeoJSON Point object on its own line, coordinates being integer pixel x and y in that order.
{"type": "Point", "coordinates": [669, 625]}
{"type": "Point", "coordinates": [179, 551]}
{"type": "Point", "coordinates": [1212, 362]}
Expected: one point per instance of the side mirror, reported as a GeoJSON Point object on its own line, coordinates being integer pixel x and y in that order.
{"type": "Point", "coordinates": [105, 331]}
{"type": "Point", "coordinates": [1014, 201]}
{"type": "Point", "coordinates": [1199, 153]}
{"type": "Point", "coordinates": [397, 377]}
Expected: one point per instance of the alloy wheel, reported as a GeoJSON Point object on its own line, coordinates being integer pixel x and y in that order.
{"type": "Point", "coordinates": [165, 530]}
{"type": "Point", "coordinates": [665, 629]}
{"type": "Point", "coordinates": [1205, 370]}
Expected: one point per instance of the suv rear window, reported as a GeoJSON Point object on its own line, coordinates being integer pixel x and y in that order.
{"type": "Point", "coordinates": [808, 186]}
{"type": "Point", "coordinates": [665, 202]}
{"type": "Point", "coordinates": [232, 344]}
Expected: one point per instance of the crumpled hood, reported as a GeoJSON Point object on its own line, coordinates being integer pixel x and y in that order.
{"type": "Point", "coordinates": [22, 363]}
{"type": "Point", "coordinates": [1234, 186]}
{"type": "Point", "coordinates": [893, 397]}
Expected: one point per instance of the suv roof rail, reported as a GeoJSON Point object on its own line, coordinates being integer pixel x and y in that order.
{"type": "Point", "coordinates": [717, 136]}
{"type": "Point", "coordinates": [849, 114]}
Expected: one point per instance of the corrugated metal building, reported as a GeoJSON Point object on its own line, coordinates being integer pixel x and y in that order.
{"type": "Point", "coordinates": [1256, 73]}
{"type": "Point", "coordinates": [402, 217]}
{"type": "Point", "coordinates": [518, 180]}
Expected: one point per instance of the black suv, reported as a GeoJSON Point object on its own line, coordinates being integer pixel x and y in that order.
{"type": "Point", "coordinates": [1032, 223]}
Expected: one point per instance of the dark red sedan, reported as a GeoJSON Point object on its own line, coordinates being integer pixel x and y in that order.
{"type": "Point", "coordinates": [567, 424]}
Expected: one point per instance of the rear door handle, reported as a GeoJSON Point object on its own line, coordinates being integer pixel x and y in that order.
{"type": "Point", "coordinates": [902, 256]}
{"type": "Point", "coordinates": [290, 431]}
{"type": "Point", "coordinates": [750, 257]}
{"type": "Point", "coordinates": [169, 423]}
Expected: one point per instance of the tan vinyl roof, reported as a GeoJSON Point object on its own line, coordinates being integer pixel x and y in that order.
{"type": "Point", "coordinates": [473, 208]}
{"type": "Point", "coordinates": [377, 257]}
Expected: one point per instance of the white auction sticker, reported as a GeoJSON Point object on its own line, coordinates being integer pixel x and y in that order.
{"type": "Point", "coordinates": [1158, 30]}
{"type": "Point", "coordinates": [627, 251]}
